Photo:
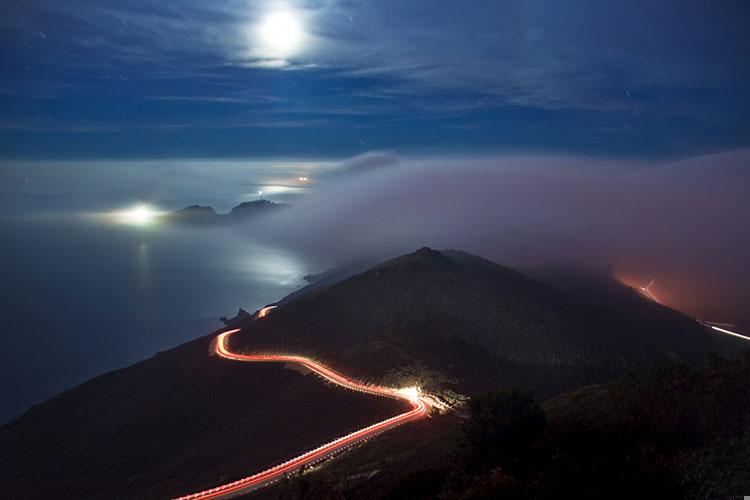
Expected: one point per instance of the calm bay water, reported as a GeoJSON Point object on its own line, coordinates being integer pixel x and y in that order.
{"type": "Point", "coordinates": [80, 297]}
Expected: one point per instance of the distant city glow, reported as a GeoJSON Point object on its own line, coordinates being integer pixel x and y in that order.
{"type": "Point", "coordinates": [646, 290]}
{"type": "Point", "coordinates": [275, 189]}
{"type": "Point", "coordinates": [140, 215]}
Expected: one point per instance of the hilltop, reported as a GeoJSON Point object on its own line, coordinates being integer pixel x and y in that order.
{"type": "Point", "coordinates": [451, 320]}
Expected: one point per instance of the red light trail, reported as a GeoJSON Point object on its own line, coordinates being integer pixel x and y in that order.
{"type": "Point", "coordinates": [244, 485]}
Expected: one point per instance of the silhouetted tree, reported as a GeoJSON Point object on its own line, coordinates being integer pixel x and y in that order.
{"type": "Point", "coordinates": [502, 428]}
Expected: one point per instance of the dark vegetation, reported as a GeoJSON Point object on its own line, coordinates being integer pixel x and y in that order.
{"type": "Point", "coordinates": [670, 431]}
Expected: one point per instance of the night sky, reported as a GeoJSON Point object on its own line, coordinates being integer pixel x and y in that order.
{"type": "Point", "coordinates": [190, 78]}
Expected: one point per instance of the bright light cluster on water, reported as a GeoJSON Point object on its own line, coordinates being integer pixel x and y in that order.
{"type": "Point", "coordinates": [140, 215]}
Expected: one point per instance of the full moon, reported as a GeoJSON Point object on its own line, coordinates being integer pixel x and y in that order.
{"type": "Point", "coordinates": [281, 34]}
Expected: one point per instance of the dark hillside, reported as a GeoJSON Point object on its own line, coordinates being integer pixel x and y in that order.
{"type": "Point", "coordinates": [331, 276]}
{"type": "Point", "coordinates": [668, 431]}
{"type": "Point", "coordinates": [176, 423]}
{"type": "Point", "coordinates": [184, 420]}
{"type": "Point", "coordinates": [627, 306]}
{"type": "Point", "coordinates": [455, 320]}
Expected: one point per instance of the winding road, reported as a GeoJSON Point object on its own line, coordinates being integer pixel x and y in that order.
{"type": "Point", "coordinates": [420, 405]}
{"type": "Point", "coordinates": [419, 409]}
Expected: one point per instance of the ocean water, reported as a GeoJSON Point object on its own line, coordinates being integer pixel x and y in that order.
{"type": "Point", "coordinates": [80, 297]}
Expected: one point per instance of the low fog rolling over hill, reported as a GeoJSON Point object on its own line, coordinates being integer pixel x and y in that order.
{"type": "Point", "coordinates": [450, 320]}
{"type": "Point", "coordinates": [680, 223]}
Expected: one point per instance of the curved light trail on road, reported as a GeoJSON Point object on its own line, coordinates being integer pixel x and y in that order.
{"type": "Point", "coordinates": [418, 410]}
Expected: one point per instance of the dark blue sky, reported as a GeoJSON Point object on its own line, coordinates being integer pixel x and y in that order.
{"type": "Point", "coordinates": [191, 78]}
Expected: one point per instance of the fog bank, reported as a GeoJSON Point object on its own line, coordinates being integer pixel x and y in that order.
{"type": "Point", "coordinates": [684, 224]}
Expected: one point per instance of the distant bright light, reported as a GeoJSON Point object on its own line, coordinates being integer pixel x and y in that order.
{"type": "Point", "coordinates": [646, 290]}
{"type": "Point", "coordinates": [273, 189]}
{"type": "Point", "coordinates": [410, 392]}
{"type": "Point", "coordinates": [302, 179]}
{"type": "Point", "coordinates": [140, 215]}
{"type": "Point", "coordinates": [281, 34]}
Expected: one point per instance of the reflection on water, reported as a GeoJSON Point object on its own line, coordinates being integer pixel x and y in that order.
{"type": "Point", "coordinates": [274, 267]}
{"type": "Point", "coordinates": [142, 267]}
{"type": "Point", "coordinates": [83, 298]}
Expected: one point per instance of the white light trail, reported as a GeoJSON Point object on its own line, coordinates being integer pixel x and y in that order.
{"type": "Point", "coordinates": [722, 330]}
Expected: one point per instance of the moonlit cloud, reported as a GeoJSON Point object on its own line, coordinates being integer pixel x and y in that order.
{"type": "Point", "coordinates": [591, 76]}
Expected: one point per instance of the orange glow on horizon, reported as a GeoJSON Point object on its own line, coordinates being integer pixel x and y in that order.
{"type": "Point", "coordinates": [647, 291]}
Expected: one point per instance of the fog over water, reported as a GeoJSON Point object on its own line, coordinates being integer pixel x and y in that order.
{"type": "Point", "coordinates": [82, 296]}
